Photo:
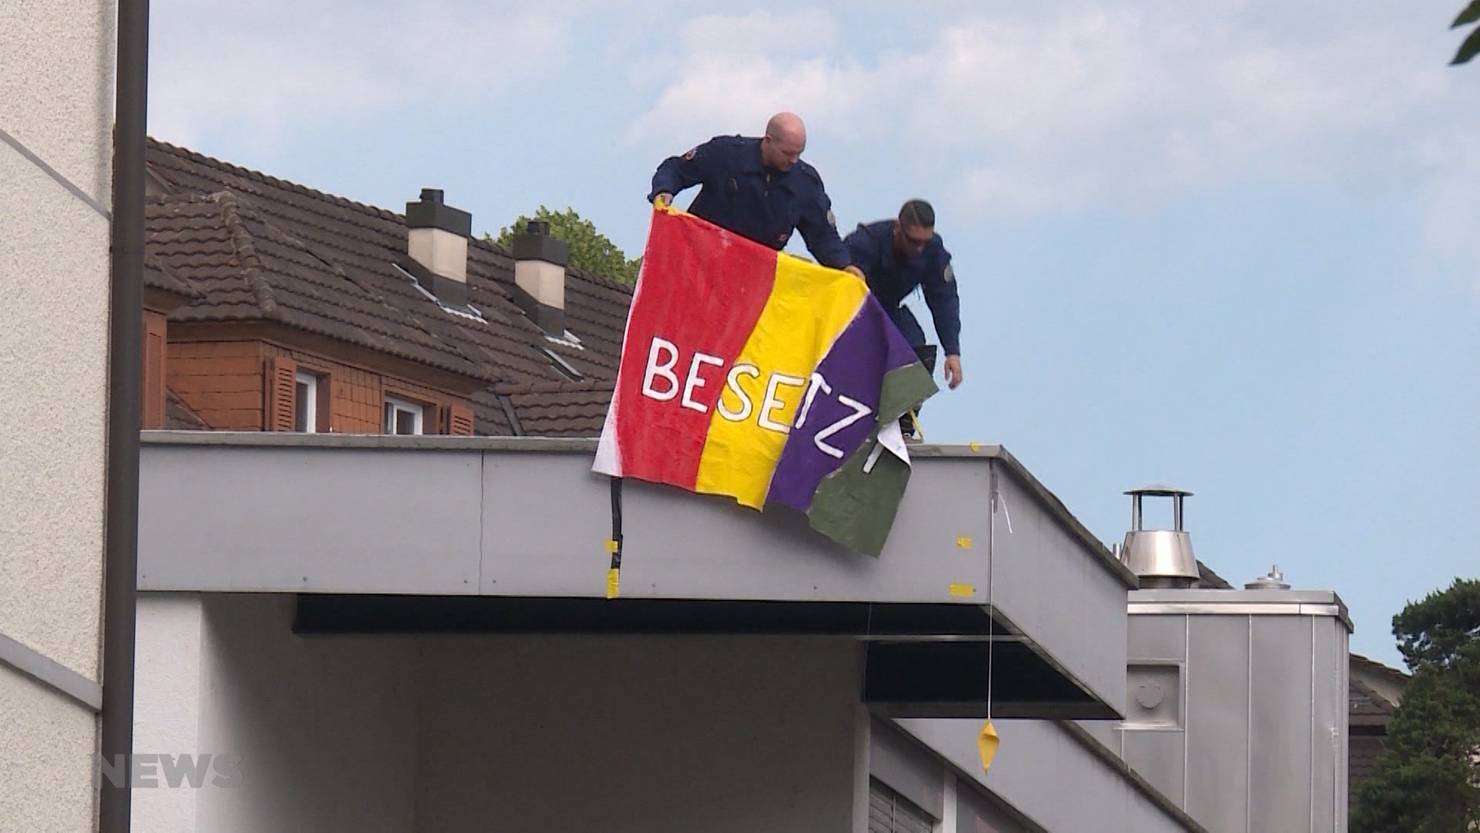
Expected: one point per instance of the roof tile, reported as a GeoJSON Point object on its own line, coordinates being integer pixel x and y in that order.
{"type": "Point", "coordinates": [255, 247]}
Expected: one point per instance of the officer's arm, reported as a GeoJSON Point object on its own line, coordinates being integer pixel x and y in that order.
{"type": "Point", "coordinates": [863, 252]}
{"type": "Point", "coordinates": [818, 229]}
{"type": "Point", "coordinates": [945, 306]}
{"type": "Point", "coordinates": [680, 172]}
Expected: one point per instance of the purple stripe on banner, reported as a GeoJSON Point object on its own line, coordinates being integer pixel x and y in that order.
{"type": "Point", "coordinates": [835, 422]}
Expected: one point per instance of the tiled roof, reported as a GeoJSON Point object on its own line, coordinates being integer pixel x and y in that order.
{"type": "Point", "coordinates": [1365, 702]}
{"type": "Point", "coordinates": [179, 417]}
{"type": "Point", "coordinates": [556, 409]}
{"type": "Point", "coordinates": [1375, 667]}
{"type": "Point", "coordinates": [158, 276]}
{"type": "Point", "coordinates": [261, 248]}
{"type": "Point", "coordinates": [1361, 760]}
{"type": "Point", "coordinates": [1210, 580]}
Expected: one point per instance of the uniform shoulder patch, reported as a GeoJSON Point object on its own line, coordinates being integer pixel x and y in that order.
{"type": "Point", "coordinates": [950, 273]}
{"type": "Point", "coordinates": [832, 219]}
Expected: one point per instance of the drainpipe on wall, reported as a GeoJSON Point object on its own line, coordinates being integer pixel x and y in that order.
{"type": "Point", "coordinates": [125, 326]}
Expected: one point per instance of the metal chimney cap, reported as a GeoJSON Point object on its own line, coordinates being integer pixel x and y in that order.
{"type": "Point", "coordinates": [1155, 490]}
{"type": "Point", "coordinates": [1273, 580]}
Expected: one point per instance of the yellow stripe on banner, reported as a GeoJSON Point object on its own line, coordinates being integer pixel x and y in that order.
{"type": "Point", "coordinates": [809, 308]}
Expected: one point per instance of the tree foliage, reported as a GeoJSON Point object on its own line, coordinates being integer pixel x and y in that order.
{"type": "Point", "coordinates": [1471, 45]}
{"type": "Point", "coordinates": [590, 250]}
{"type": "Point", "coordinates": [1428, 778]}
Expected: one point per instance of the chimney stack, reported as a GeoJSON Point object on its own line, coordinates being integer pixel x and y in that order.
{"type": "Point", "coordinates": [438, 241]}
{"type": "Point", "coordinates": [1160, 557]}
{"type": "Point", "coordinates": [539, 276]}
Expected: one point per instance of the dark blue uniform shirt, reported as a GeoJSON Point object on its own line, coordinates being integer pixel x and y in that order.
{"type": "Point", "coordinates": [871, 248]}
{"type": "Point", "coordinates": [740, 194]}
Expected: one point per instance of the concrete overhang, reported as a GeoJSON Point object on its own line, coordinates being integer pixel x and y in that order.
{"type": "Point", "coordinates": [415, 534]}
{"type": "Point", "coordinates": [1056, 774]}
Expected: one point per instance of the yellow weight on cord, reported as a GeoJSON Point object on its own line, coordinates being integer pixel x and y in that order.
{"type": "Point", "coordinates": [986, 744]}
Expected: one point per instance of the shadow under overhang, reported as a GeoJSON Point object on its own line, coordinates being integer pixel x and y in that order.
{"type": "Point", "coordinates": [922, 660]}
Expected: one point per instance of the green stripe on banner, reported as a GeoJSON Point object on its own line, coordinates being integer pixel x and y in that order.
{"type": "Point", "coordinates": [904, 388]}
{"type": "Point", "coordinates": [857, 509]}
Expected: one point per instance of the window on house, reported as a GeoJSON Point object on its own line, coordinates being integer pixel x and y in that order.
{"type": "Point", "coordinates": [403, 417]}
{"type": "Point", "coordinates": [306, 402]}
{"type": "Point", "coordinates": [890, 812]}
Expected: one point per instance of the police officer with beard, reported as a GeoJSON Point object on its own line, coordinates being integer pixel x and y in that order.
{"type": "Point", "coordinates": [904, 254]}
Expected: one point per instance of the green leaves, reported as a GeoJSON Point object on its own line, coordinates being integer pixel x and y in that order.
{"type": "Point", "coordinates": [1432, 631]}
{"type": "Point", "coordinates": [1471, 45]}
{"type": "Point", "coordinates": [590, 250]}
{"type": "Point", "coordinates": [1428, 779]}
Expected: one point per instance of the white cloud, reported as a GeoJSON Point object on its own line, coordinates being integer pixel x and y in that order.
{"type": "Point", "coordinates": [1450, 198]}
{"type": "Point", "coordinates": [263, 70]}
{"type": "Point", "coordinates": [1074, 108]}
{"type": "Point", "coordinates": [734, 70]}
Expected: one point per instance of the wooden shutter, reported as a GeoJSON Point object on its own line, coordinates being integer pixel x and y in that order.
{"type": "Point", "coordinates": [460, 419]}
{"type": "Point", "coordinates": [151, 393]}
{"type": "Point", "coordinates": [282, 381]}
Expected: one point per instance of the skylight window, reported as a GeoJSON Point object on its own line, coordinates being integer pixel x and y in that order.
{"type": "Point", "coordinates": [566, 368]}
{"type": "Point", "coordinates": [568, 339]}
{"type": "Point", "coordinates": [470, 312]}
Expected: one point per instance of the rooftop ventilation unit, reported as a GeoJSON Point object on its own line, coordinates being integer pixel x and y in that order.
{"type": "Point", "coordinates": [1160, 557]}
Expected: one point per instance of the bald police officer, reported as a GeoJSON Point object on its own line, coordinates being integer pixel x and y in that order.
{"type": "Point", "coordinates": [897, 256]}
{"type": "Point", "coordinates": [759, 189]}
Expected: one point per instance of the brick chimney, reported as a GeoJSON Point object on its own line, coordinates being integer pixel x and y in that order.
{"type": "Point", "coordinates": [539, 276]}
{"type": "Point", "coordinates": [438, 242]}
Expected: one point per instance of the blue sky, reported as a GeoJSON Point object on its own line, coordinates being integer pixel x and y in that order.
{"type": "Point", "coordinates": [1228, 246]}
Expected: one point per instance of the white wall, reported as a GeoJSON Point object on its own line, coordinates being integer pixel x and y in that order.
{"type": "Point", "coordinates": [484, 733]}
{"type": "Point", "coordinates": [168, 656]}
{"type": "Point", "coordinates": [638, 734]}
{"type": "Point", "coordinates": [56, 98]}
{"type": "Point", "coordinates": [325, 726]}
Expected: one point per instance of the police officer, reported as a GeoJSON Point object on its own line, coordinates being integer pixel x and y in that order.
{"type": "Point", "coordinates": [896, 257]}
{"type": "Point", "coordinates": [758, 188]}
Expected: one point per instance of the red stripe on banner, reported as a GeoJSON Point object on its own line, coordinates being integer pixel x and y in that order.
{"type": "Point", "coordinates": [702, 292]}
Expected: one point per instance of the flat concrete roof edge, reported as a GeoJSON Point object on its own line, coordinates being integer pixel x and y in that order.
{"type": "Point", "coordinates": [1219, 601]}
{"type": "Point", "coordinates": [1087, 740]}
{"type": "Point", "coordinates": [423, 442]}
{"type": "Point", "coordinates": [428, 442]}
{"type": "Point", "coordinates": [1058, 510]}
{"type": "Point", "coordinates": [290, 439]}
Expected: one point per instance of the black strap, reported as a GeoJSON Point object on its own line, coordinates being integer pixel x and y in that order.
{"type": "Point", "coordinates": [616, 523]}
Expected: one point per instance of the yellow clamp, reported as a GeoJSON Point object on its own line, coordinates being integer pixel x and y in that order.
{"type": "Point", "coordinates": [611, 546]}
{"type": "Point", "coordinates": [962, 591]}
{"type": "Point", "coordinates": [915, 420]}
{"type": "Point", "coordinates": [963, 542]}
{"type": "Point", "coordinates": [613, 583]}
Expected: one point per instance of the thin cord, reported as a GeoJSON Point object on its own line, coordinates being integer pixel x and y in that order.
{"type": "Point", "coordinates": [991, 609]}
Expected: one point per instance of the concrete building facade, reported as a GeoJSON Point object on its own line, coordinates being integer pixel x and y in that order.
{"type": "Point", "coordinates": [56, 116]}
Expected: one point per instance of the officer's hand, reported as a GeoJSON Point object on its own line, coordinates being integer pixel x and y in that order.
{"type": "Point", "coordinates": [954, 377]}
{"type": "Point", "coordinates": [663, 200]}
{"type": "Point", "coordinates": [855, 270]}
